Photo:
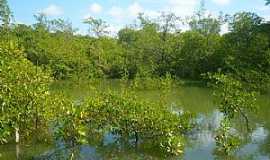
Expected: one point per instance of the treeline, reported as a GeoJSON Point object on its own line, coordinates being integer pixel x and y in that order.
{"type": "Point", "coordinates": [151, 47]}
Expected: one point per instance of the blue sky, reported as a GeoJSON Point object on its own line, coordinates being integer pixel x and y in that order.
{"type": "Point", "coordinates": [119, 13]}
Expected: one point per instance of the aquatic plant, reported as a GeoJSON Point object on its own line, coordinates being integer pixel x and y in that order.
{"type": "Point", "coordinates": [130, 119]}
{"type": "Point", "coordinates": [235, 102]}
{"type": "Point", "coordinates": [23, 94]}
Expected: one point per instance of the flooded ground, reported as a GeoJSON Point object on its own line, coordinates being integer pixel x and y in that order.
{"type": "Point", "coordinates": [201, 143]}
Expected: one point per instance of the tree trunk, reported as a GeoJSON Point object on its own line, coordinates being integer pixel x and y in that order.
{"type": "Point", "coordinates": [136, 139]}
{"type": "Point", "coordinates": [246, 119]}
{"type": "Point", "coordinates": [17, 135]}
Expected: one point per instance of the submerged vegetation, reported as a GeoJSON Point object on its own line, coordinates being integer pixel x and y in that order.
{"type": "Point", "coordinates": [235, 102]}
{"type": "Point", "coordinates": [23, 94]}
{"type": "Point", "coordinates": [149, 55]}
{"type": "Point", "coordinates": [140, 121]}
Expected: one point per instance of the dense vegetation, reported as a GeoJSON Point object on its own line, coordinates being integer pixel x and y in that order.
{"type": "Point", "coordinates": [152, 47]}
{"type": "Point", "coordinates": [238, 63]}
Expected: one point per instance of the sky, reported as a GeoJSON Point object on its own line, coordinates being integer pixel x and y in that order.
{"type": "Point", "coordinates": [119, 13]}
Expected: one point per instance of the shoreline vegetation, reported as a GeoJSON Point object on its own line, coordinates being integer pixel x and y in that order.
{"type": "Point", "coordinates": [153, 54]}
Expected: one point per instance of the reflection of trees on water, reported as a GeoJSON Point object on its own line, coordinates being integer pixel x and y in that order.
{"type": "Point", "coordinates": [100, 152]}
{"type": "Point", "coordinates": [204, 132]}
{"type": "Point", "coordinates": [63, 152]}
{"type": "Point", "coordinates": [252, 148]}
{"type": "Point", "coordinates": [255, 147]}
{"type": "Point", "coordinates": [265, 146]}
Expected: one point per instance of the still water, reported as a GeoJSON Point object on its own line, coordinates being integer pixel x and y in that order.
{"type": "Point", "coordinates": [200, 145]}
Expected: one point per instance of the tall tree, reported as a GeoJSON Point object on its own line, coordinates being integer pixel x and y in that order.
{"type": "Point", "coordinates": [168, 24]}
{"type": "Point", "coordinates": [42, 22]}
{"type": "Point", "coordinates": [61, 25]}
{"type": "Point", "coordinates": [246, 50]}
{"type": "Point", "coordinates": [5, 13]}
{"type": "Point", "coordinates": [245, 23]}
{"type": "Point", "coordinates": [97, 27]}
{"type": "Point", "coordinates": [205, 23]}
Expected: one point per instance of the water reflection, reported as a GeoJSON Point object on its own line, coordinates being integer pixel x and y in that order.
{"type": "Point", "coordinates": [201, 144]}
{"type": "Point", "coordinates": [259, 134]}
{"type": "Point", "coordinates": [204, 133]}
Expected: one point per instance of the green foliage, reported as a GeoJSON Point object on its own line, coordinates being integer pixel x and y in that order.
{"type": "Point", "coordinates": [96, 26]}
{"type": "Point", "coordinates": [139, 120]}
{"type": "Point", "coordinates": [193, 50]}
{"type": "Point", "coordinates": [153, 53]}
{"type": "Point", "coordinates": [168, 24]}
{"type": "Point", "coordinates": [244, 22]}
{"type": "Point", "coordinates": [129, 118]}
{"type": "Point", "coordinates": [233, 98]}
{"type": "Point", "coordinates": [151, 48]}
{"type": "Point", "coordinates": [70, 127]}
{"type": "Point", "coordinates": [5, 13]}
{"type": "Point", "coordinates": [23, 94]}
{"type": "Point", "coordinates": [173, 144]}
{"type": "Point", "coordinates": [107, 57]}
{"type": "Point", "coordinates": [235, 102]}
{"type": "Point", "coordinates": [226, 141]}
{"type": "Point", "coordinates": [246, 54]}
{"type": "Point", "coordinates": [205, 24]}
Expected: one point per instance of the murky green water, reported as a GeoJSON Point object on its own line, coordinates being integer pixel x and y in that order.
{"type": "Point", "coordinates": [201, 142]}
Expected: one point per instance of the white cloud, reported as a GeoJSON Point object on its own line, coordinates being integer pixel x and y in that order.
{"type": "Point", "coordinates": [263, 8]}
{"type": "Point", "coordinates": [131, 12]}
{"type": "Point", "coordinates": [181, 7]}
{"type": "Point", "coordinates": [117, 12]}
{"type": "Point", "coordinates": [53, 10]}
{"type": "Point", "coordinates": [134, 9]}
{"type": "Point", "coordinates": [95, 8]}
{"type": "Point", "coordinates": [86, 16]}
{"type": "Point", "coordinates": [267, 17]}
{"type": "Point", "coordinates": [221, 2]}
{"type": "Point", "coordinates": [152, 13]}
